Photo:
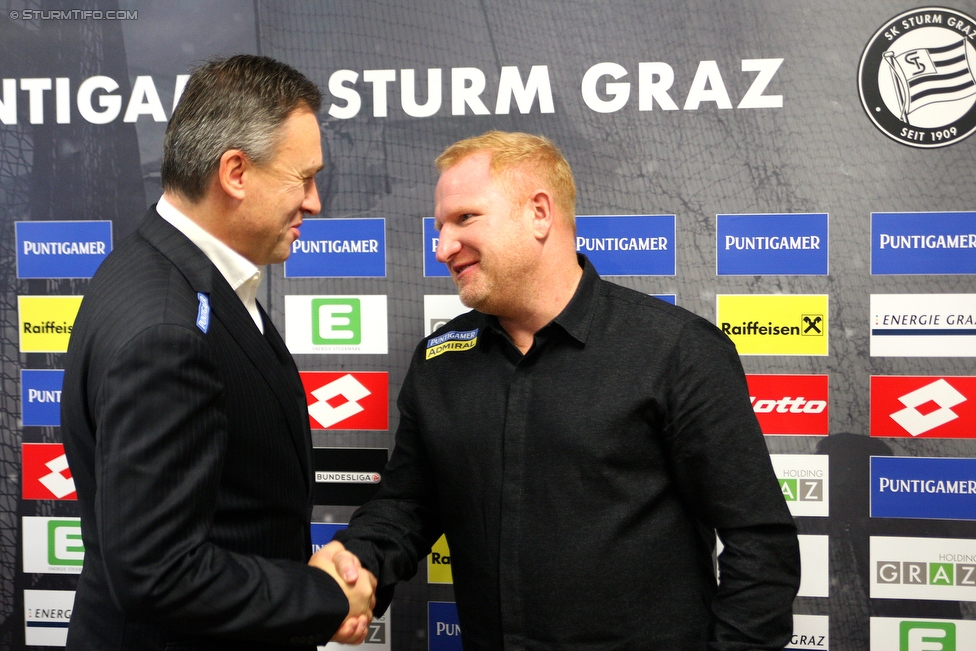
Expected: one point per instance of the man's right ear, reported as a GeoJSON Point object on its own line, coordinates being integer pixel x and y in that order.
{"type": "Point", "coordinates": [234, 163]}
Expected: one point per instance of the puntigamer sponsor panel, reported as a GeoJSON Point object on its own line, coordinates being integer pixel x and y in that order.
{"type": "Point", "coordinates": [339, 248]}
{"type": "Point", "coordinates": [40, 397]}
{"type": "Point", "coordinates": [917, 634]}
{"type": "Point", "coordinates": [923, 325]}
{"type": "Point", "coordinates": [790, 404]}
{"type": "Point", "coordinates": [336, 324]}
{"type": "Point", "coordinates": [923, 487]}
{"type": "Point", "coordinates": [923, 243]}
{"type": "Point", "coordinates": [923, 406]}
{"type": "Point", "coordinates": [804, 482]}
{"type": "Point", "coordinates": [923, 568]}
{"type": "Point", "coordinates": [810, 633]}
{"type": "Point", "coordinates": [432, 268]}
{"type": "Point", "coordinates": [46, 616]}
{"type": "Point", "coordinates": [61, 249]}
{"type": "Point", "coordinates": [638, 245]}
{"type": "Point", "coordinates": [774, 324]}
{"type": "Point", "coordinates": [773, 244]}
{"type": "Point", "coordinates": [45, 322]}
{"type": "Point", "coordinates": [443, 628]}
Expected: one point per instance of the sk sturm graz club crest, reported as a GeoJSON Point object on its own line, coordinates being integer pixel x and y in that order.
{"type": "Point", "coordinates": [917, 78]}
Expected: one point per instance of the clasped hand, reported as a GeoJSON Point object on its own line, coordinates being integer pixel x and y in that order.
{"type": "Point", "coordinates": [357, 582]}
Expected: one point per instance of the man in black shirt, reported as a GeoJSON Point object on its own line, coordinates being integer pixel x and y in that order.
{"type": "Point", "coordinates": [579, 443]}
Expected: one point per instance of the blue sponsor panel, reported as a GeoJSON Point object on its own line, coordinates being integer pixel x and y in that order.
{"type": "Point", "coordinates": [923, 243]}
{"type": "Point", "coordinates": [339, 248]}
{"type": "Point", "coordinates": [443, 629]}
{"type": "Point", "coordinates": [67, 249]}
{"type": "Point", "coordinates": [923, 487]}
{"type": "Point", "coordinates": [772, 245]}
{"type": "Point", "coordinates": [432, 268]}
{"type": "Point", "coordinates": [323, 533]}
{"type": "Point", "coordinates": [667, 298]}
{"type": "Point", "coordinates": [40, 397]}
{"type": "Point", "coordinates": [638, 245]}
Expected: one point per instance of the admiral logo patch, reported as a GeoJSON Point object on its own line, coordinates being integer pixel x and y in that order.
{"type": "Point", "coordinates": [917, 77]}
{"type": "Point", "coordinates": [453, 341]}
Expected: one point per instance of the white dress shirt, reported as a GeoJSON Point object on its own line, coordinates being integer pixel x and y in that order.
{"type": "Point", "coordinates": [238, 271]}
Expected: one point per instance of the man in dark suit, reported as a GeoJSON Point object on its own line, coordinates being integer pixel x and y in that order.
{"type": "Point", "coordinates": [183, 415]}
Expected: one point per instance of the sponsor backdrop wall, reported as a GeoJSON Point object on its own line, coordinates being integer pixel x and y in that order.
{"type": "Point", "coordinates": [800, 173]}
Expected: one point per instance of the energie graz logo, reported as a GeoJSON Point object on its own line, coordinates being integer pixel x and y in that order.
{"type": "Point", "coordinates": [917, 77]}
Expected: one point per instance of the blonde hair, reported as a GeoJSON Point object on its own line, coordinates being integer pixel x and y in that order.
{"type": "Point", "coordinates": [514, 152]}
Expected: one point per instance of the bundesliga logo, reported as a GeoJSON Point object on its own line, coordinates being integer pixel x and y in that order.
{"type": "Point", "coordinates": [916, 77]}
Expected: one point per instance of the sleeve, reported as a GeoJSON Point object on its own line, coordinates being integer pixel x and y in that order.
{"type": "Point", "coordinates": [722, 467]}
{"type": "Point", "coordinates": [160, 444]}
{"type": "Point", "coordinates": [395, 530]}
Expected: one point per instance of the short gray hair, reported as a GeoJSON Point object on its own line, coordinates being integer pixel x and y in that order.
{"type": "Point", "coordinates": [234, 103]}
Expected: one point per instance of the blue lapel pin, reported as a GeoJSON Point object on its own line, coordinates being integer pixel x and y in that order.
{"type": "Point", "coordinates": [203, 312]}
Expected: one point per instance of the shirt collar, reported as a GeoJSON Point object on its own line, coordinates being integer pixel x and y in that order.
{"type": "Point", "coordinates": [576, 317]}
{"type": "Point", "coordinates": [235, 268]}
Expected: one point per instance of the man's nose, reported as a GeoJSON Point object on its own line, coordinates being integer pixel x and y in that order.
{"type": "Point", "coordinates": [447, 244]}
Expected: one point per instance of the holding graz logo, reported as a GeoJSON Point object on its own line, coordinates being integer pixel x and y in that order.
{"type": "Point", "coordinates": [917, 78]}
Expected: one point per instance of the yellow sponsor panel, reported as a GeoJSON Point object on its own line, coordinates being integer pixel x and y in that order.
{"type": "Point", "coordinates": [439, 563]}
{"type": "Point", "coordinates": [776, 324]}
{"type": "Point", "coordinates": [45, 322]}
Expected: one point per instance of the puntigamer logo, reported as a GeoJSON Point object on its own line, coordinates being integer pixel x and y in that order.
{"type": "Point", "coordinates": [336, 324]}
{"type": "Point", "coordinates": [780, 324]}
{"type": "Point", "coordinates": [916, 77]}
{"type": "Point", "coordinates": [923, 568]}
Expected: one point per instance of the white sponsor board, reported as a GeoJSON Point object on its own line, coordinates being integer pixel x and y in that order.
{"type": "Point", "coordinates": [810, 632]}
{"type": "Point", "coordinates": [46, 615]}
{"type": "Point", "coordinates": [441, 308]}
{"type": "Point", "coordinates": [923, 325]}
{"type": "Point", "coordinates": [917, 634]}
{"type": "Point", "coordinates": [377, 639]}
{"type": "Point", "coordinates": [803, 480]}
{"type": "Point", "coordinates": [336, 325]}
{"type": "Point", "coordinates": [52, 545]}
{"type": "Point", "coordinates": [814, 566]}
{"type": "Point", "coordinates": [923, 568]}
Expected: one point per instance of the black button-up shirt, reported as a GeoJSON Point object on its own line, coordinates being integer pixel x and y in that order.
{"type": "Point", "coordinates": [580, 485]}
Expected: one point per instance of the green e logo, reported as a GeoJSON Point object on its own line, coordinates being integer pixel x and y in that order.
{"type": "Point", "coordinates": [927, 636]}
{"type": "Point", "coordinates": [64, 546]}
{"type": "Point", "coordinates": [336, 322]}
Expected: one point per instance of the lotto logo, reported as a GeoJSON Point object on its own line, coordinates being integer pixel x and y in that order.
{"type": "Point", "coordinates": [347, 401]}
{"type": "Point", "coordinates": [920, 406]}
{"type": "Point", "coordinates": [46, 475]}
{"type": "Point", "coordinates": [790, 404]}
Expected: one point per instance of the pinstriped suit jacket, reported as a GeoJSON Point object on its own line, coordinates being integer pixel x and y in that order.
{"type": "Point", "coordinates": [190, 452]}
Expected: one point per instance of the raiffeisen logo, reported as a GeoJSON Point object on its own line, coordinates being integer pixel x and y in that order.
{"type": "Point", "coordinates": [914, 634]}
{"type": "Point", "coordinates": [777, 324]}
{"type": "Point", "coordinates": [790, 404]}
{"type": "Point", "coordinates": [45, 322]}
{"type": "Point", "coordinates": [439, 563]}
{"type": "Point", "coordinates": [923, 406]}
{"type": "Point", "coordinates": [923, 568]}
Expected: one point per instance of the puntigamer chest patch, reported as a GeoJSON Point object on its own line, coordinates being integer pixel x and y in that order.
{"type": "Point", "coordinates": [453, 341]}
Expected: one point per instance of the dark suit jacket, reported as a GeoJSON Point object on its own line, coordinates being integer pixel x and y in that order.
{"type": "Point", "coordinates": [190, 453]}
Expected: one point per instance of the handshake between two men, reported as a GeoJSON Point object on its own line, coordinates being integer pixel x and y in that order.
{"type": "Point", "coordinates": [357, 582]}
